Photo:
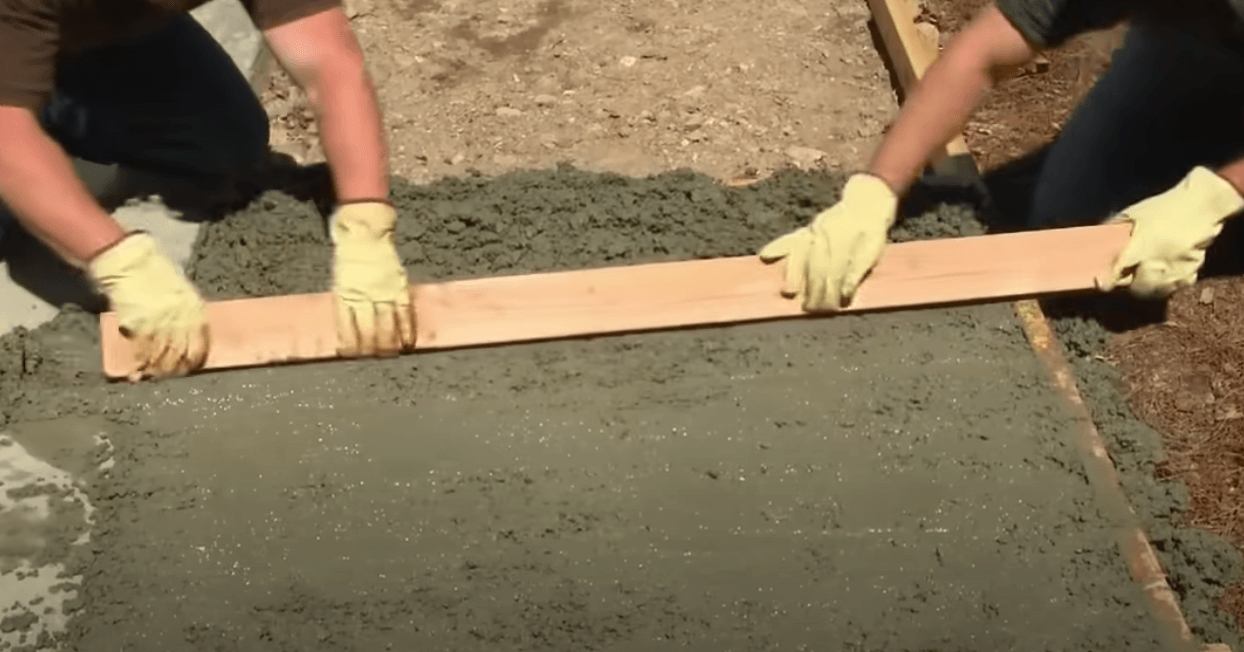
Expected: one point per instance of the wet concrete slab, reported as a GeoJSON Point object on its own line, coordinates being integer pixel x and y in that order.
{"type": "Point", "coordinates": [897, 481]}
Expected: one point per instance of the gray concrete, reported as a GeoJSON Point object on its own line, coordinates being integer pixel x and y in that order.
{"type": "Point", "coordinates": [33, 283]}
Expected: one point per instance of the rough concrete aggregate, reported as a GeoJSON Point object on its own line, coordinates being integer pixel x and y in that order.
{"type": "Point", "coordinates": [899, 481]}
{"type": "Point", "coordinates": [1199, 566]}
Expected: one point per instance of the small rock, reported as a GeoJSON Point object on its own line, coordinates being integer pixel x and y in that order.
{"type": "Point", "coordinates": [1207, 295]}
{"type": "Point", "coordinates": [457, 158]}
{"type": "Point", "coordinates": [805, 156]}
{"type": "Point", "coordinates": [627, 62]}
{"type": "Point", "coordinates": [508, 112]}
{"type": "Point", "coordinates": [545, 100]}
{"type": "Point", "coordinates": [356, 8]}
{"type": "Point", "coordinates": [695, 92]}
{"type": "Point", "coordinates": [505, 160]}
{"type": "Point", "coordinates": [929, 34]}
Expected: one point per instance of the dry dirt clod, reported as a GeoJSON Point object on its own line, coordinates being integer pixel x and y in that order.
{"type": "Point", "coordinates": [805, 157]}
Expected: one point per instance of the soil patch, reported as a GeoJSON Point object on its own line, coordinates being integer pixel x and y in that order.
{"type": "Point", "coordinates": [897, 481]}
{"type": "Point", "coordinates": [724, 87]}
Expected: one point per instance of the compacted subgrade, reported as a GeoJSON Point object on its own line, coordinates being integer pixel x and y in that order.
{"type": "Point", "coordinates": [898, 481]}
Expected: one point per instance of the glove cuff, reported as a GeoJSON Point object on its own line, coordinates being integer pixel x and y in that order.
{"type": "Point", "coordinates": [1215, 197]}
{"type": "Point", "coordinates": [872, 191]}
{"type": "Point", "coordinates": [121, 258]}
{"type": "Point", "coordinates": [374, 219]}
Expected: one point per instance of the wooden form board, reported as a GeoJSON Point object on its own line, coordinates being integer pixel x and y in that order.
{"type": "Point", "coordinates": [505, 309]}
{"type": "Point", "coordinates": [911, 53]}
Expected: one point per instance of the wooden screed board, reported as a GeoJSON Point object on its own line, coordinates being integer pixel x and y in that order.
{"type": "Point", "coordinates": [498, 310]}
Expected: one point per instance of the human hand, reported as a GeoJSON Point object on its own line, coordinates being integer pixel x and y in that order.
{"type": "Point", "coordinates": [827, 260]}
{"type": "Point", "coordinates": [370, 286]}
{"type": "Point", "coordinates": [157, 307]}
{"type": "Point", "coordinates": [1170, 234]}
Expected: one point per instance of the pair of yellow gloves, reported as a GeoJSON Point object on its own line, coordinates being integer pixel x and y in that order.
{"type": "Point", "coordinates": [166, 318]}
{"type": "Point", "coordinates": [827, 260]}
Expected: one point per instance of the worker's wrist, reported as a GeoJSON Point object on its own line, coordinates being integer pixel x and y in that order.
{"type": "Point", "coordinates": [366, 200]}
{"type": "Point", "coordinates": [1219, 193]}
{"type": "Point", "coordinates": [1233, 173]}
{"type": "Point", "coordinates": [894, 182]}
{"type": "Point", "coordinates": [111, 245]}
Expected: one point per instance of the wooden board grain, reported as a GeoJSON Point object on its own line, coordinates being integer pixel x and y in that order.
{"type": "Point", "coordinates": [531, 307]}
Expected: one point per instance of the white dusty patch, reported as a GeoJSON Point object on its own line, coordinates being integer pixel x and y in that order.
{"type": "Point", "coordinates": [39, 504]}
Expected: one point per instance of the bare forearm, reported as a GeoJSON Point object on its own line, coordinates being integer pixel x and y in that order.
{"type": "Point", "coordinates": [987, 51]}
{"type": "Point", "coordinates": [352, 134]}
{"type": "Point", "coordinates": [1234, 174]}
{"type": "Point", "coordinates": [937, 110]}
{"type": "Point", "coordinates": [39, 185]}
{"type": "Point", "coordinates": [324, 58]}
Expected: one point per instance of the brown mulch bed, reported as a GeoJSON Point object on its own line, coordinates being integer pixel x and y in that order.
{"type": "Point", "coordinates": [1185, 379]}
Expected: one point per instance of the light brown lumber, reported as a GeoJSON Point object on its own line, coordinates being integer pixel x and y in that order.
{"type": "Point", "coordinates": [911, 54]}
{"type": "Point", "coordinates": [505, 309]}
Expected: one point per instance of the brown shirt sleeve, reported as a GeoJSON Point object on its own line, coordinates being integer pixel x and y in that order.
{"type": "Point", "coordinates": [29, 42]}
{"type": "Point", "coordinates": [274, 13]}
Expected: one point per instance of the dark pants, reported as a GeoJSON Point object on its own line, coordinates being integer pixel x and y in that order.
{"type": "Point", "coordinates": [170, 104]}
{"type": "Point", "coordinates": [1172, 99]}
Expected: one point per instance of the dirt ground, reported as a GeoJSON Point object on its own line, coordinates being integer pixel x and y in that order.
{"type": "Point", "coordinates": [727, 88]}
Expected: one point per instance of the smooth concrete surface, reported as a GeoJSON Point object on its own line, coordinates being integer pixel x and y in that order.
{"type": "Point", "coordinates": [34, 284]}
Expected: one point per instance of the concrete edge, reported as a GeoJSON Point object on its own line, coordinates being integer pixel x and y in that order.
{"type": "Point", "coordinates": [1142, 562]}
{"type": "Point", "coordinates": [904, 42]}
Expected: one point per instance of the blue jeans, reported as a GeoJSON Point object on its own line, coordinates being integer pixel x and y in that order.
{"type": "Point", "coordinates": [170, 104]}
{"type": "Point", "coordinates": [1172, 99]}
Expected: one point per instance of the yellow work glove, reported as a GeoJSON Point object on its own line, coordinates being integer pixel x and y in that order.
{"type": "Point", "coordinates": [157, 307]}
{"type": "Point", "coordinates": [1170, 233]}
{"type": "Point", "coordinates": [827, 260]}
{"type": "Point", "coordinates": [370, 287]}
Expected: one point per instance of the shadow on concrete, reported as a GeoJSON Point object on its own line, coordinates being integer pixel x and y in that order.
{"type": "Point", "coordinates": [32, 266]}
